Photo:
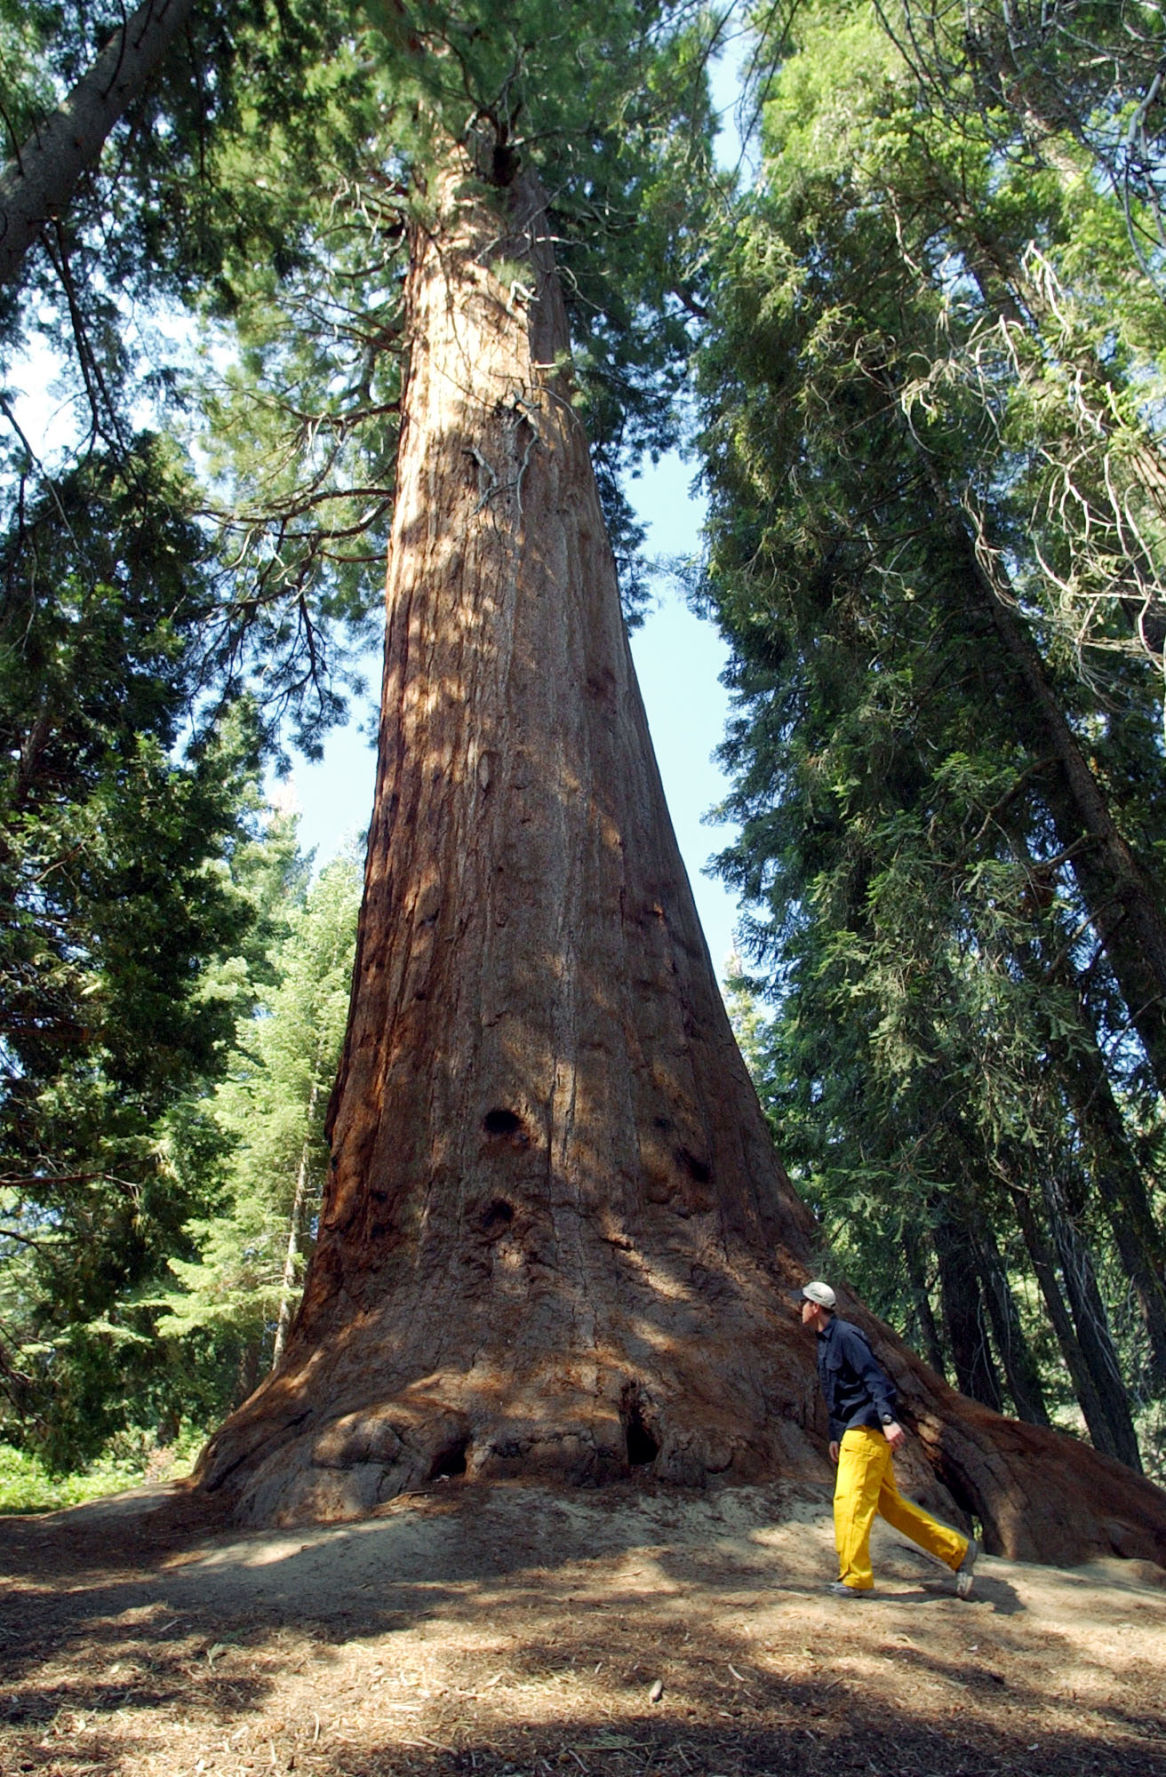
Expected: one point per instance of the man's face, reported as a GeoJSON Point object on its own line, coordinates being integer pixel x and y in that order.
{"type": "Point", "coordinates": [810, 1313]}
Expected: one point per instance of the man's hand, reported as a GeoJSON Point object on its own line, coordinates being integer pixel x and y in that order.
{"type": "Point", "coordinates": [834, 1451]}
{"type": "Point", "coordinates": [894, 1434]}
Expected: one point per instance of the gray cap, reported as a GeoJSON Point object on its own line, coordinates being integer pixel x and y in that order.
{"type": "Point", "coordinates": [818, 1292]}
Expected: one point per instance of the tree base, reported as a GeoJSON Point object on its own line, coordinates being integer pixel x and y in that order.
{"type": "Point", "coordinates": [1031, 1494]}
{"type": "Point", "coordinates": [287, 1467]}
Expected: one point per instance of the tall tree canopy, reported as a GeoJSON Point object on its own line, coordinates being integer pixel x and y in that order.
{"type": "Point", "coordinates": [933, 457]}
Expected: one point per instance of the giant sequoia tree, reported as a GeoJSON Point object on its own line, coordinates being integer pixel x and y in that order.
{"type": "Point", "coordinates": [555, 1238]}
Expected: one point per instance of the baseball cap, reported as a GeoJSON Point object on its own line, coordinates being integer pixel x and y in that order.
{"type": "Point", "coordinates": [818, 1292]}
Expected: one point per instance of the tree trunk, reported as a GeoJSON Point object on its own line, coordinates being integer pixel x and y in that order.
{"type": "Point", "coordinates": [1020, 1370]}
{"type": "Point", "coordinates": [1113, 1165]}
{"type": "Point", "coordinates": [1122, 1191]}
{"type": "Point", "coordinates": [1118, 893]}
{"type": "Point", "coordinates": [555, 1240]}
{"type": "Point", "coordinates": [1086, 1386]}
{"type": "Point", "coordinates": [921, 1302]}
{"type": "Point", "coordinates": [287, 1286]}
{"type": "Point", "coordinates": [39, 184]}
{"type": "Point", "coordinates": [1092, 1324]}
{"type": "Point", "coordinates": [247, 1370]}
{"type": "Point", "coordinates": [963, 1311]}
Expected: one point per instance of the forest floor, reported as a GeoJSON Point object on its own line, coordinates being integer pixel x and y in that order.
{"type": "Point", "coordinates": [520, 1632]}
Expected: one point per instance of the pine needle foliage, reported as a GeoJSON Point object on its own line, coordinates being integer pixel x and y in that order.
{"type": "Point", "coordinates": [931, 438]}
{"type": "Point", "coordinates": [240, 1287]}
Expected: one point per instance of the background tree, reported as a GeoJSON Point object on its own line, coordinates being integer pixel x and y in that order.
{"type": "Point", "coordinates": [40, 182]}
{"type": "Point", "coordinates": [151, 656]}
{"type": "Point", "coordinates": [945, 806]}
{"type": "Point", "coordinates": [239, 1293]}
{"type": "Point", "coordinates": [116, 892]}
{"type": "Point", "coordinates": [213, 186]}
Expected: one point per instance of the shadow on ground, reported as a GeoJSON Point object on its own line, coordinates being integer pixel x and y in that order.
{"type": "Point", "coordinates": [516, 1631]}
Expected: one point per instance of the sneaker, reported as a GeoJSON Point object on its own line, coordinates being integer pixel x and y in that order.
{"type": "Point", "coordinates": [837, 1589]}
{"type": "Point", "coordinates": [965, 1577]}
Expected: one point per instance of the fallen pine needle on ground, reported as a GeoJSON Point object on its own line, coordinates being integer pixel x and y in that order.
{"type": "Point", "coordinates": [518, 1631]}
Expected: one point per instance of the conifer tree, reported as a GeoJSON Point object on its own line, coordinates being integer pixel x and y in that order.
{"type": "Point", "coordinates": [115, 897]}
{"type": "Point", "coordinates": [38, 184]}
{"type": "Point", "coordinates": [241, 1288]}
{"type": "Point", "coordinates": [945, 805]}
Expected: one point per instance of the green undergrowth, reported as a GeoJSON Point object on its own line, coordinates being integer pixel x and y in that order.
{"type": "Point", "coordinates": [27, 1485]}
{"type": "Point", "coordinates": [1150, 1425]}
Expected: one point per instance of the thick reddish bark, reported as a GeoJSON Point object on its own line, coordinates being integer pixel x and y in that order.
{"type": "Point", "coordinates": [39, 183]}
{"type": "Point", "coordinates": [555, 1240]}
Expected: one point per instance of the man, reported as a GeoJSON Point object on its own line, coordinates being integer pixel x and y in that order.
{"type": "Point", "coordinates": [860, 1400]}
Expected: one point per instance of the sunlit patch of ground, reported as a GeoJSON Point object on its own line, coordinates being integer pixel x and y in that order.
{"type": "Point", "coordinates": [520, 1632]}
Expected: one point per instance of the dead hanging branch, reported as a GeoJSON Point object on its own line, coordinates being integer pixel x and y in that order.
{"type": "Point", "coordinates": [41, 1181]}
{"type": "Point", "coordinates": [1087, 453]}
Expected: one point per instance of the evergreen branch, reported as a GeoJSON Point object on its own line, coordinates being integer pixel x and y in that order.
{"type": "Point", "coordinates": [25, 1181]}
{"type": "Point", "coordinates": [24, 1239]}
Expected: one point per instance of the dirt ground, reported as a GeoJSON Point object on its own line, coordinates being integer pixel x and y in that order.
{"type": "Point", "coordinates": [518, 1632]}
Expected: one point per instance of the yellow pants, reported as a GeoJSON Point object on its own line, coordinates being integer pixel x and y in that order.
{"type": "Point", "coordinates": [866, 1485]}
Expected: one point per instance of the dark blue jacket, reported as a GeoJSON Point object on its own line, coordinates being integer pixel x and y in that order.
{"type": "Point", "coordinates": [856, 1389]}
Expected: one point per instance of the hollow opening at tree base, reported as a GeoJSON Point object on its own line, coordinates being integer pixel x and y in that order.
{"type": "Point", "coordinates": [643, 1446]}
{"type": "Point", "coordinates": [450, 1460]}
